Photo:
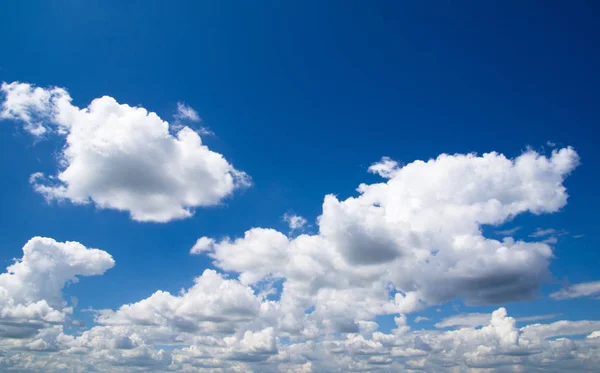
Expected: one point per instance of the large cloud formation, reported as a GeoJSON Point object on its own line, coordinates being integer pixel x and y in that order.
{"type": "Point", "coordinates": [410, 242]}
{"type": "Point", "coordinates": [122, 157]}
{"type": "Point", "coordinates": [309, 303]}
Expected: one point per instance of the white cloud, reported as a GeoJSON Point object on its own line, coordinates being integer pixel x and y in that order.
{"type": "Point", "coordinates": [498, 346]}
{"type": "Point", "coordinates": [538, 317]}
{"type": "Point", "coordinates": [421, 318]}
{"type": "Point", "coordinates": [508, 232]}
{"type": "Point", "coordinates": [384, 168]}
{"type": "Point", "coordinates": [295, 222]}
{"type": "Point", "coordinates": [469, 320]}
{"type": "Point", "coordinates": [202, 245]}
{"type": "Point", "coordinates": [413, 241]}
{"type": "Point", "coordinates": [542, 232]}
{"type": "Point", "coordinates": [185, 112]}
{"type": "Point", "coordinates": [401, 245]}
{"type": "Point", "coordinates": [584, 289]}
{"type": "Point", "coordinates": [122, 157]}
{"type": "Point", "coordinates": [31, 288]}
{"type": "Point", "coordinates": [213, 303]}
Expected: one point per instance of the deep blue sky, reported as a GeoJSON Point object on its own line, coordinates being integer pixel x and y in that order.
{"type": "Point", "coordinates": [303, 96]}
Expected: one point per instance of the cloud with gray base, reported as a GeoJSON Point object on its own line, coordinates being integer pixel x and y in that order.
{"type": "Point", "coordinates": [121, 157]}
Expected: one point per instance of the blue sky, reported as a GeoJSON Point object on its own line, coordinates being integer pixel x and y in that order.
{"type": "Point", "coordinates": [304, 97]}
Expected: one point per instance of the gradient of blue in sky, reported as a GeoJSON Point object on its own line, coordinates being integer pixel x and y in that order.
{"type": "Point", "coordinates": [304, 96]}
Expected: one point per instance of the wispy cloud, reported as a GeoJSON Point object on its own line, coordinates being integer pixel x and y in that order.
{"type": "Point", "coordinates": [508, 232]}
{"type": "Point", "coordinates": [185, 112]}
{"type": "Point", "coordinates": [538, 317]}
{"type": "Point", "coordinates": [583, 289]}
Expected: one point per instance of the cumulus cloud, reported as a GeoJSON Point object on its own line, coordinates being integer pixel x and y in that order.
{"type": "Point", "coordinates": [410, 242]}
{"type": "Point", "coordinates": [31, 288]}
{"type": "Point", "coordinates": [121, 157]}
{"type": "Point", "coordinates": [213, 302]}
{"type": "Point", "coordinates": [497, 346]}
{"type": "Point", "coordinates": [584, 289]}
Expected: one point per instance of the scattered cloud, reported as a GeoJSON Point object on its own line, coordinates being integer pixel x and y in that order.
{"type": "Point", "coordinates": [508, 232]}
{"type": "Point", "coordinates": [584, 289]}
{"type": "Point", "coordinates": [398, 246]}
{"type": "Point", "coordinates": [538, 317]}
{"type": "Point", "coordinates": [295, 222]}
{"type": "Point", "coordinates": [203, 244]}
{"type": "Point", "coordinates": [465, 320]}
{"type": "Point", "coordinates": [185, 112]}
{"type": "Point", "coordinates": [543, 232]}
{"type": "Point", "coordinates": [121, 157]}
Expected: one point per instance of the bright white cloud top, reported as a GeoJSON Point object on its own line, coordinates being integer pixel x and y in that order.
{"type": "Point", "coordinates": [122, 157]}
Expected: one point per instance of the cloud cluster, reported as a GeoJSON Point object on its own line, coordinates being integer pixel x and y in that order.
{"type": "Point", "coordinates": [31, 288]}
{"type": "Point", "coordinates": [122, 157]}
{"type": "Point", "coordinates": [412, 241]}
{"type": "Point", "coordinates": [291, 303]}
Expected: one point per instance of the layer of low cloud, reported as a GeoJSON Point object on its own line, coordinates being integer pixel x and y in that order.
{"type": "Point", "coordinates": [121, 157]}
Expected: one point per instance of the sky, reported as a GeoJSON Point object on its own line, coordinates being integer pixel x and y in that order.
{"type": "Point", "coordinates": [299, 186]}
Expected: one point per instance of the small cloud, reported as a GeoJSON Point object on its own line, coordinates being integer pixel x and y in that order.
{"type": "Point", "coordinates": [202, 244]}
{"type": "Point", "coordinates": [542, 232]}
{"type": "Point", "coordinates": [74, 301]}
{"type": "Point", "coordinates": [579, 236]}
{"type": "Point", "coordinates": [295, 222]}
{"type": "Point", "coordinates": [421, 318]}
{"type": "Point", "coordinates": [538, 317]}
{"type": "Point", "coordinates": [185, 112]}
{"type": "Point", "coordinates": [551, 144]}
{"type": "Point", "coordinates": [465, 320]}
{"type": "Point", "coordinates": [583, 289]}
{"type": "Point", "coordinates": [205, 131]}
{"type": "Point", "coordinates": [508, 232]}
{"type": "Point", "coordinates": [551, 235]}
{"type": "Point", "coordinates": [385, 168]}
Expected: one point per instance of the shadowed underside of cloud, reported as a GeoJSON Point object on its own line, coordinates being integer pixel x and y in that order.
{"type": "Point", "coordinates": [121, 157]}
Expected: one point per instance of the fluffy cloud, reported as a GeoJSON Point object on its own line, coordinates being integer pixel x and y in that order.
{"type": "Point", "coordinates": [213, 303]}
{"type": "Point", "coordinates": [584, 289]}
{"type": "Point", "coordinates": [498, 346]}
{"type": "Point", "coordinates": [294, 221]}
{"type": "Point", "coordinates": [309, 303]}
{"type": "Point", "coordinates": [412, 241]}
{"type": "Point", "coordinates": [122, 157]}
{"type": "Point", "coordinates": [31, 288]}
